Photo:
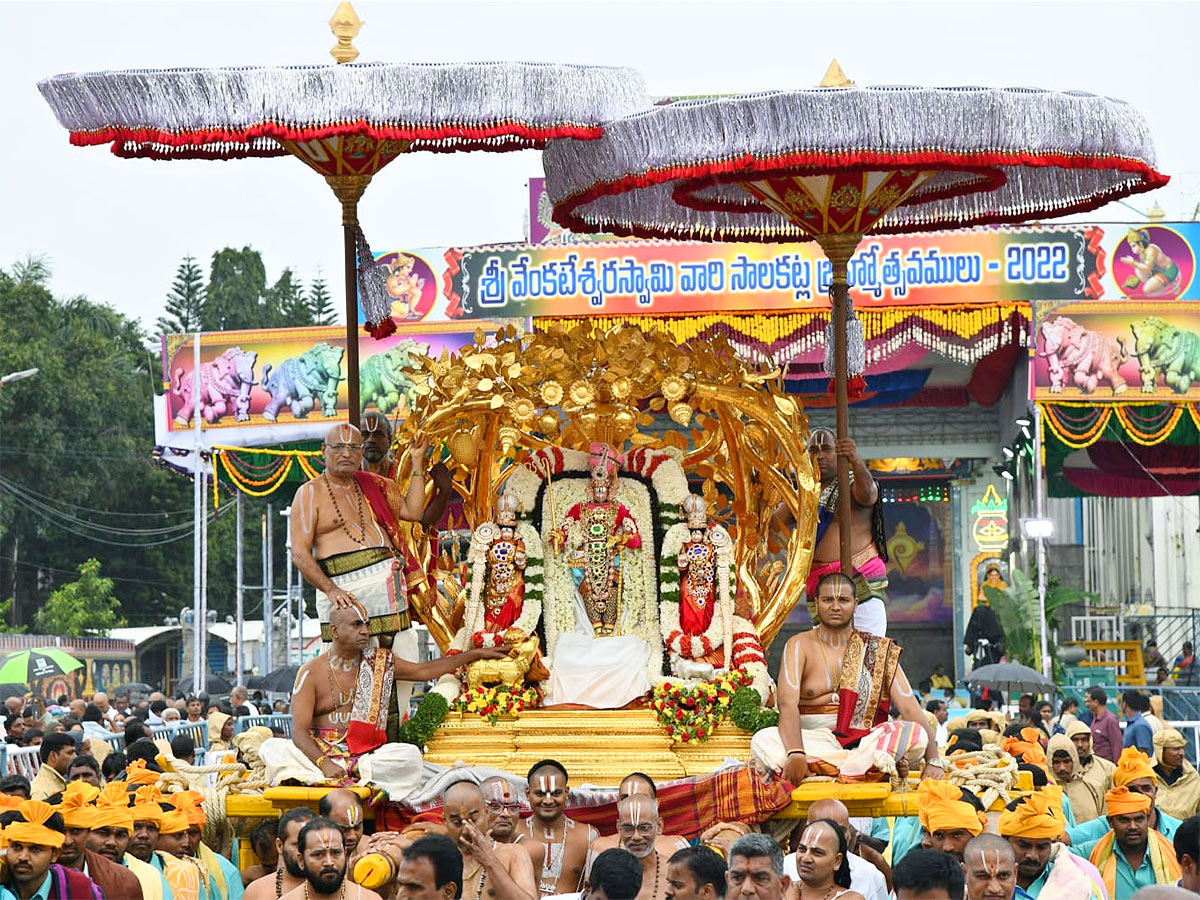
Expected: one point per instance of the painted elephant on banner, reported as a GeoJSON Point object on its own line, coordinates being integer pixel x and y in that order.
{"type": "Point", "coordinates": [301, 380]}
{"type": "Point", "coordinates": [1163, 349]}
{"type": "Point", "coordinates": [1091, 357]}
{"type": "Point", "coordinates": [382, 380]}
{"type": "Point", "coordinates": [225, 385]}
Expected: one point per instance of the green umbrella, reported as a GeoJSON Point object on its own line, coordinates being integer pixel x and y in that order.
{"type": "Point", "coordinates": [40, 662]}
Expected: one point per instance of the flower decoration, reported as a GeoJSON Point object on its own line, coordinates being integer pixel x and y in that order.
{"type": "Point", "coordinates": [521, 408]}
{"type": "Point", "coordinates": [621, 387]}
{"type": "Point", "coordinates": [674, 387]}
{"type": "Point", "coordinates": [692, 714]}
{"type": "Point", "coordinates": [552, 393]}
{"type": "Point", "coordinates": [681, 413]}
{"type": "Point", "coordinates": [582, 393]}
{"type": "Point", "coordinates": [492, 702]}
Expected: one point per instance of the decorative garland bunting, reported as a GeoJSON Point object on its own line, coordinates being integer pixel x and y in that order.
{"type": "Point", "coordinates": [492, 702]}
{"type": "Point", "coordinates": [274, 474]}
{"type": "Point", "coordinates": [963, 333]}
{"type": "Point", "coordinates": [1079, 426]}
{"type": "Point", "coordinates": [691, 714]}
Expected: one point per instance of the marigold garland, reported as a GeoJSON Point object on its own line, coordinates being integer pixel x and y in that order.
{"type": "Point", "coordinates": [691, 714]}
{"type": "Point", "coordinates": [492, 702]}
{"type": "Point", "coordinates": [1079, 430]}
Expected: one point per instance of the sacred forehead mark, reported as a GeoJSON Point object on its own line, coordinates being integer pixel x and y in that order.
{"type": "Point", "coordinates": [817, 830]}
{"type": "Point", "coordinates": [547, 784]}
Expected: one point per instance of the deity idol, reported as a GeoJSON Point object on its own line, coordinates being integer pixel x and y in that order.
{"type": "Point", "coordinates": [594, 534]}
{"type": "Point", "coordinates": [503, 607]}
{"type": "Point", "coordinates": [602, 623]}
{"type": "Point", "coordinates": [700, 630]}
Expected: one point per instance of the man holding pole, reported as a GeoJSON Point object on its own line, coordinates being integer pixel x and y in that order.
{"type": "Point", "coordinates": [868, 542]}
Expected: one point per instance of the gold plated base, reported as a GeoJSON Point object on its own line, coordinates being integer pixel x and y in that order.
{"type": "Point", "coordinates": [597, 746]}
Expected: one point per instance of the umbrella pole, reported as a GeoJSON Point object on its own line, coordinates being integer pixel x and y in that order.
{"type": "Point", "coordinates": [349, 189]}
{"type": "Point", "coordinates": [839, 248]}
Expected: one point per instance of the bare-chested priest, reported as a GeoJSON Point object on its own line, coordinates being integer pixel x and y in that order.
{"type": "Point", "coordinates": [868, 541]}
{"type": "Point", "coordinates": [339, 711]}
{"type": "Point", "coordinates": [566, 841]}
{"type": "Point", "coordinates": [491, 869]}
{"type": "Point", "coordinates": [503, 817]}
{"type": "Point", "coordinates": [837, 686]}
{"type": "Point", "coordinates": [348, 544]}
{"type": "Point", "coordinates": [631, 784]}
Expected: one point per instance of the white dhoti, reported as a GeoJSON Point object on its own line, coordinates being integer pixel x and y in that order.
{"type": "Point", "coordinates": [393, 768]}
{"type": "Point", "coordinates": [601, 672]}
{"type": "Point", "coordinates": [891, 740]}
{"type": "Point", "coordinates": [380, 588]}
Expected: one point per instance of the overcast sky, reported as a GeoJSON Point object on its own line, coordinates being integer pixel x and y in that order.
{"type": "Point", "coordinates": [115, 229]}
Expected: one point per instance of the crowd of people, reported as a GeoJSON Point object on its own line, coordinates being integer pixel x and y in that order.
{"type": "Point", "coordinates": [1090, 828]}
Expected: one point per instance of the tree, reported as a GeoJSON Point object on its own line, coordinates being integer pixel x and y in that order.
{"type": "Point", "coordinates": [185, 300]}
{"type": "Point", "coordinates": [235, 297]}
{"type": "Point", "coordinates": [1016, 607]}
{"type": "Point", "coordinates": [321, 303]}
{"type": "Point", "coordinates": [82, 608]}
{"type": "Point", "coordinates": [287, 303]}
{"type": "Point", "coordinates": [33, 269]}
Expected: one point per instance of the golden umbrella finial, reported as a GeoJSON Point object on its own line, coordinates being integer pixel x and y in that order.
{"type": "Point", "coordinates": [834, 76]}
{"type": "Point", "coordinates": [345, 26]}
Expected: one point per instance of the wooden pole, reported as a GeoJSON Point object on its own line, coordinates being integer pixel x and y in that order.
{"type": "Point", "coordinates": [839, 248]}
{"type": "Point", "coordinates": [349, 189]}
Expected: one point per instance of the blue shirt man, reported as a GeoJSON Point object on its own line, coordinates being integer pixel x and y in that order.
{"type": "Point", "coordinates": [1138, 732]}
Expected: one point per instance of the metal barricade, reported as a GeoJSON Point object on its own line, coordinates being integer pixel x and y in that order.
{"type": "Point", "coordinates": [275, 722]}
{"type": "Point", "coordinates": [23, 761]}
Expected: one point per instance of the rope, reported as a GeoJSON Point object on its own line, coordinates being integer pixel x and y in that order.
{"type": "Point", "coordinates": [990, 774]}
{"type": "Point", "coordinates": [232, 778]}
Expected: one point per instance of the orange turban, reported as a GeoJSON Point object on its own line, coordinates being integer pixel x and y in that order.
{"type": "Point", "coordinates": [942, 808]}
{"type": "Point", "coordinates": [137, 773]}
{"type": "Point", "coordinates": [1034, 817]}
{"type": "Point", "coordinates": [173, 822]}
{"type": "Point", "coordinates": [112, 808]}
{"type": "Point", "coordinates": [145, 805]}
{"type": "Point", "coordinates": [76, 807]}
{"type": "Point", "coordinates": [1121, 801]}
{"type": "Point", "coordinates": [34, 830]}
{"type": "Point", "coordinates": [1025, 751]}
{"type": "Point", "coordinates": [189, 803]}
{"type": "Point", "coordinates": [1132, 765]}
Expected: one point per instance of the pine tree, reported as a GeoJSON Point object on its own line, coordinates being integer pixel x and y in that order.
{"type": "Point", "coordinates": [237, 283]}
{"type": "Point", "coordinates": [185, 300]}
{"type": "Point", "coordinates": [289, 307]}
{"type": "Point", "coordinates": [321, 303]}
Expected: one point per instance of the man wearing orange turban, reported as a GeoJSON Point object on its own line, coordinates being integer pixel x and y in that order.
{"type": "Point", "coordinates": [1134, 772]}
{"type": "Point", "coordinates": [948, 819]}
{"type": "Point", "coordinates": [1032, 825]}
{"type": "Point", "coordinates": [34, 841]}
{"type": "Point", "coordinates": [1132, 855]}
{"type": "Point", "coordinates": [81, 849]}
{"type": "Point", "coordinates": [186, 879]}
{"type": "Point", "coordinates": [225, 881]}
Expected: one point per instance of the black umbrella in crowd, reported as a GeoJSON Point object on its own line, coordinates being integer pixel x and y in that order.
{"type": "Point", "coordinates": [280, 681]}
{"type": "Point", "coordinates": [213, 684]}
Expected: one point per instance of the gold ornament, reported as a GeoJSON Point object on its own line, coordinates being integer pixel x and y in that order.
{"type": "Point", "coordinates": [732, 426]}
{"type": "Point", "coordinates": [582, 393]}
{"type": "Point", "coordinates": [673, 388]}
{"type": "Point", "coordinates": [522, 409]}
{"type": "Point", "coordinates": [464, 447]}
{"type": "Point", "coordinates": [681, 413]}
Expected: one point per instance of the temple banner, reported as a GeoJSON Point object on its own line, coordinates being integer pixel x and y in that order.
{"type": "Point", "coordinates": [1117, 352]}
{"type": "Point", "coordinates": [565, 277]}
{"type": "Point", "coordinates": [287, 384]}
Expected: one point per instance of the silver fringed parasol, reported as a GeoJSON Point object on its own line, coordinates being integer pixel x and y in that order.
{"type": "Point", "coordinates": [345, 121]}
{"type": "Point", "coordinates": [832, 163]}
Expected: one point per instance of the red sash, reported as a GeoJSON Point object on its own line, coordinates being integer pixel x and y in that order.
{"type": "Point", "coordinates": [367, 730]}
{"type": "Point", "coordinates": [374, 488]}
{"type": "Point", "coordinates": [864, 688]}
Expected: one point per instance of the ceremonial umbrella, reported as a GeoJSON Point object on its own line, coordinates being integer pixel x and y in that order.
{"type": "Point", "coordinates": [832, 163]}
{"type": "Point", "coordinates": [345, 121]}
{"type": "Point", "coordinates": [40, 662]}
